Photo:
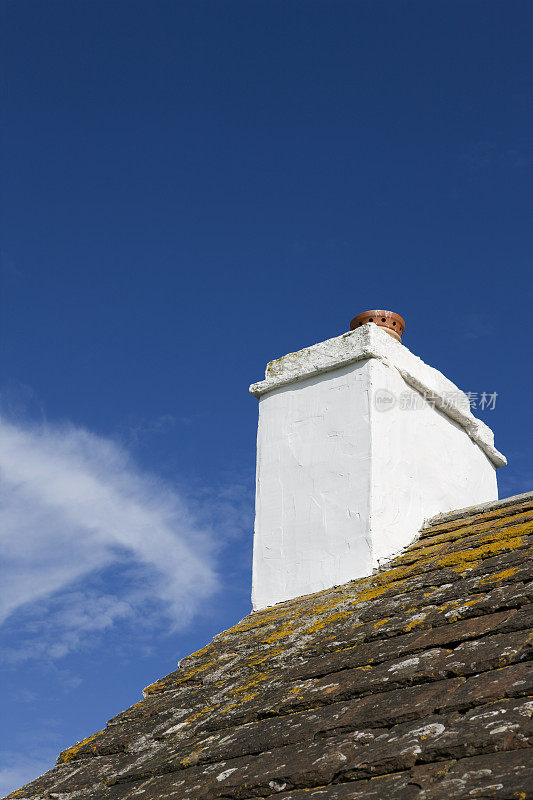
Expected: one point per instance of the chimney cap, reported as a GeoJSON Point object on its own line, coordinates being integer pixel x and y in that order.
{"type": "Point", "coordinates": [392, 323]}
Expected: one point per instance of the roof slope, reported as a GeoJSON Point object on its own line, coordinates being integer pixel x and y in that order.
{"type": "Point", "coordinates": [408, 685]}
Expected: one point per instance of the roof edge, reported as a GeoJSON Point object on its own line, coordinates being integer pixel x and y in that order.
{"type": "Point", "coordinates": [469, 511]}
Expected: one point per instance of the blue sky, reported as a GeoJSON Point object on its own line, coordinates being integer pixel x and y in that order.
{"type": "Point", "coordinates": [189, 190]}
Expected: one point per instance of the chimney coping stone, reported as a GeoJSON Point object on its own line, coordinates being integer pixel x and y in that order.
{"type": "Point", "coordinates": [369, 341]}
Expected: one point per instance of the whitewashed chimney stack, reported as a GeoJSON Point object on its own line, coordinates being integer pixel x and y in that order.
{"type": "Point", "coordinates": [358, 443]}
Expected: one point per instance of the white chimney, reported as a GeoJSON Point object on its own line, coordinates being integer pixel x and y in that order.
{"type": "Point", "coordinates": [358, 443]}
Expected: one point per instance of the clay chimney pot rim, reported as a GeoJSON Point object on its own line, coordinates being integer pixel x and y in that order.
{"type": "Point", "coordinates": [391, 322]}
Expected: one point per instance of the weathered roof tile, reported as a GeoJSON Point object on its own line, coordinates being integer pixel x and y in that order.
{"type": "Point", "coordinates": [409, 685]}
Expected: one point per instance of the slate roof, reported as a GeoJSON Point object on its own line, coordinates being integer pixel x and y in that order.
{"type": "Point", "coordinates": [411, 684]}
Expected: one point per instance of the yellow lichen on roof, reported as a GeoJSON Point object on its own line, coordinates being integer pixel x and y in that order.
{"type": "Point", "coordinates": [71, 753]}
{"type": "Point", "coordinates": [233, 673]}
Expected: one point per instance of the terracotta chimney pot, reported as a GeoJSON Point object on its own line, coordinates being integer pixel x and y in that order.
{"type": "Point", "coordinates": [388, 320]}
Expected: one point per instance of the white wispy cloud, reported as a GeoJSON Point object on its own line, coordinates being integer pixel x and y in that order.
{"type": "Point", "coordinates": [88, 539]}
